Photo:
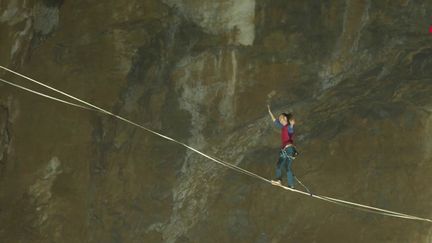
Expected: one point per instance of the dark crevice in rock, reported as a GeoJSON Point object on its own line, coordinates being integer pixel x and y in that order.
{"type": "Point", "coordinates": [99, 164]}
{"type": "Point", "coordinates": [53, 3]}
{"type": "Point", "coordinates": [45, 21]}
{"type": "Point", "coordinates": [422, 63]}
{"type": "Point", "coordinates": [5, 138]}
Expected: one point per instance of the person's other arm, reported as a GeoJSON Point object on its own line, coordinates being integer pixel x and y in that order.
{"type": "Point", "coordinates": [291, 129]}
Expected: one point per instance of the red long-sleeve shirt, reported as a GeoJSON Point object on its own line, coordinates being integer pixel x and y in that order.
{"type": "Point", "coordinates": [287, 133]}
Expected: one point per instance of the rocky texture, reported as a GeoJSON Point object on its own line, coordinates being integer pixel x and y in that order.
{"type": "Point", "coordinates": [356, 73]}
{"type": "Point", "coordinates": [5, 138]}
{"type": "Point", "coordinates": [233, 19]}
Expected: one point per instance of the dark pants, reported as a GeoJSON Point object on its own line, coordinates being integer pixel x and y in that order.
{"type": "Point", "coordinates": [285, 161]}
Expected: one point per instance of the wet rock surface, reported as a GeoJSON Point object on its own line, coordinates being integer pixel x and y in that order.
{"type": "Point", "coordinates": [356, 73]}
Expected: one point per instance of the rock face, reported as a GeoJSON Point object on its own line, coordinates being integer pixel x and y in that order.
{"type": "Point", "coordinates": [356, 73]}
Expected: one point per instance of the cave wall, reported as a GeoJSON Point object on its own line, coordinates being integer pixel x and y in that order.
{"type": "Point", "coordinates": [356, 74]}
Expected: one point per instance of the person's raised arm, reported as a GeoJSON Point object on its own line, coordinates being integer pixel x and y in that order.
{"type": "Point", "coordinates": [274, 120]}
{"type": "Point", "coordinates": [271, 114]}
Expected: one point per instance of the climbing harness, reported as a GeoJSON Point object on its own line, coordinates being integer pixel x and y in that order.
{"type": "Point", "coordinates": [289, 156]}
{"type": "Point", "coordinates": [88, 106]}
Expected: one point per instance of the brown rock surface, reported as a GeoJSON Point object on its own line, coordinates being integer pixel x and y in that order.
{"type": "Point", "coordinates": [357, 74]}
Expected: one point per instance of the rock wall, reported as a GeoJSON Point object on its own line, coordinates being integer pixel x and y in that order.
{"type": "Point", "coordinates": [356, 73]}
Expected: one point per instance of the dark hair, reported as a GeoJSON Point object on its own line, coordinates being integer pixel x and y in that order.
{"type": "Point", "coordinates": [288, 116]}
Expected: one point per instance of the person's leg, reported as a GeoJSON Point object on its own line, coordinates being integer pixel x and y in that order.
{"type": "Point", "coordinates": [289, 173]}
{"type": "Point", "coordinates": [290, 176]}
{"type": "Point", "coordinates": [279, 167]}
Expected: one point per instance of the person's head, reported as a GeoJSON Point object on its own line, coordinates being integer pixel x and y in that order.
{"type": "Point", "coordinates": [285, 118]}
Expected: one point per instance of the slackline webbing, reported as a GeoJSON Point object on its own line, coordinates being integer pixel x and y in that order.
{"type": "Point", "coordinates": [88, 106]}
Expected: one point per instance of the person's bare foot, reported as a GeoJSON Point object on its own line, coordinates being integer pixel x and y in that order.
{"type": "Point", "coordinates": [276, 182]}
